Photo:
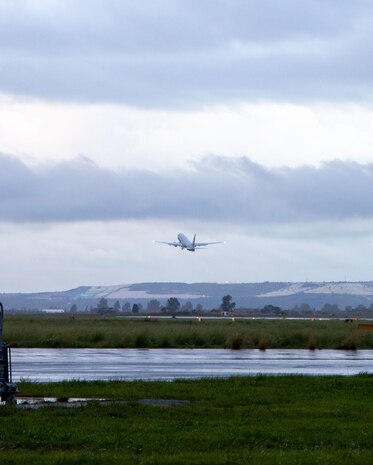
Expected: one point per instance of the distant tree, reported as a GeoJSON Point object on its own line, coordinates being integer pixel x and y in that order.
{"type": "Point", "coordinates": [153, 306]}
{"type": "Point", "coordinates": [126, 307]}
{"type": "Point", "coordinates": [199, 308]}
{"type": "Point", "coordinates": [102, 303]}
{"type": "Point", "coordinates": [272, 309]}
{"type": "Point", "coordinates": [187, 307]}
{"type": "Point", "coordinates": [227, 305]}
{"type": "Point", "coordinates": [267, 309]}
{"type": "Point", "coordinates": [330, 308]}
{"type": "Point", "coordinates": [361, 308]}
{"type": "Point", "coordinates": [305, 308]}
{"type": "Point", "coordinates": [135, 308]}
{"type": "Point", "coordinates": [73, 308]}
{"type": "Point", "coordinates": [173, 304]}
{"type": "Point", "coordinates": [117, 306]}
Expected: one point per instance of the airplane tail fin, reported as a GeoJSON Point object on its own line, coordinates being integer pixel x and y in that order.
{"type": "Point", "coordinates": [194, 240]}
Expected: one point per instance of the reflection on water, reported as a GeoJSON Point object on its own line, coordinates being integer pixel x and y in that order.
{"type": "Point", "coordinates": [166, 364]}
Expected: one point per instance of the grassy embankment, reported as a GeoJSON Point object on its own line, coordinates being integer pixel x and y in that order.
{"type": "Point", "coordinates": [88, 331]}
{"type": "Point", "coordinates": [267, 420]}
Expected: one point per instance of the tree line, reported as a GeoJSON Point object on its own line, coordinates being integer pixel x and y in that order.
{"type": "Point", "coordinates": [172, 306]}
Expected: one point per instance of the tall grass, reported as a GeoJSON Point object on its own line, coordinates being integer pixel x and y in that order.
{"type": "Point", "coordinates": [84, 331]}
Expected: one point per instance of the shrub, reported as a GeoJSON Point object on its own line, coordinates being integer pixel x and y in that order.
{"type": "Point", "coordinates": [262, 345]}
{"type": "Point", "coordinates": [142, 341]}
{"type": "Point", "coordinates": [238, 340]}
{"type": "Point", "coordinates": [312, 342]}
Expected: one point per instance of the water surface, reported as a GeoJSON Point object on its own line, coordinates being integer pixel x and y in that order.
{"type": "Point", "coordinates": [166, 364]}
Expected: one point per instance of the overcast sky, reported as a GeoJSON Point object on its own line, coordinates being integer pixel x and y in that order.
{"type": "Point", "coordinates": [126, 122]}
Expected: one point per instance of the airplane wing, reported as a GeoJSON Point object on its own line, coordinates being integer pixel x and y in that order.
{"type": "Point", "coordinates": [175, 244]}
{"type": "Point", "coordinates": [202, 244]}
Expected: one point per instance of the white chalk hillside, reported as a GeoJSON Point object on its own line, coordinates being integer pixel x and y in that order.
{"type": "Point", "coordinates": [344, 288]}
{"type": "Point", "coordinates": [124, 292]}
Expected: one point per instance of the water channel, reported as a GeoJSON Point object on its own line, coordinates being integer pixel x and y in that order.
{"type": "Point", "coordinates": [43, 365]}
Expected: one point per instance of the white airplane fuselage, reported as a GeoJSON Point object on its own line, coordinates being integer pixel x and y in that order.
{"type": "Point", "coordinates": [185, 243]}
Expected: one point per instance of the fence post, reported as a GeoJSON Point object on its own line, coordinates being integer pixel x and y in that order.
{"type": "Point", "coordinates": [7, 388]}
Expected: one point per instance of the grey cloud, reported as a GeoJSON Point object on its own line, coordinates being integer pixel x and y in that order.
{"type": "Point", "coordinates": [187, 52]}
{"type": "Point", "coordinates": [237, 191]}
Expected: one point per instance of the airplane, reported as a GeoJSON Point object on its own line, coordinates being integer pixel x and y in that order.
{"type": "Point", "coordinates": [185, 243]}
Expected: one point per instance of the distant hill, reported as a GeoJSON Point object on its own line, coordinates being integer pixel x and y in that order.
{"type": "Point", "coordinates": [250, 295]}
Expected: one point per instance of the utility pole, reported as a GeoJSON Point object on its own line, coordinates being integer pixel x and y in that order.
{"type": "Point", "coordinates": [7, 388]}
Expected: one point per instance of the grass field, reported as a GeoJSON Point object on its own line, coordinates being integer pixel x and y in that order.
{"type": "Point", "coordinates": [89, 331]}
{"type": "Point", "coordinates": [266, 420]}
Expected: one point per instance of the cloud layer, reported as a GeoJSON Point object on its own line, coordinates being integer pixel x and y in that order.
{"type": "Point", "coordinates": [216, 189]}
{"type": "Point", "coordinates": [187, 52]}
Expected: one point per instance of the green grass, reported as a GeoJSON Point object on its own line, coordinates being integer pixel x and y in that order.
{"type": "Point", "coordinates": [90, 331]}
{"type": "Point", "coordinates": [266, 420]}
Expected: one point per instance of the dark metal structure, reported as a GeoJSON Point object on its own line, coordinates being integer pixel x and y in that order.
{"type": "Point", "coordinates": [7, 388]}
